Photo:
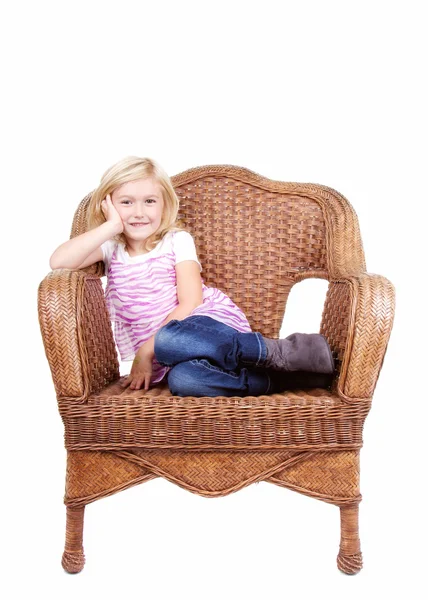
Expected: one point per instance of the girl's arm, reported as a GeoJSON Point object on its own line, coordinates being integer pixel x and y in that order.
{"type": "Point", "coordinates": [74, 252]}
{"type": "Point", "coordinates": [189, 293]}
{"type": "Point", "coordinates": [85, 249]}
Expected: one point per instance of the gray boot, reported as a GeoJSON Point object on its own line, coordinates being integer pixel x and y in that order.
{"type": "Point", "coordinates": [299, 352]}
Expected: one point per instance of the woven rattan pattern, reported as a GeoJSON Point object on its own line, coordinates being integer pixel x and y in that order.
{"type": "Point", "coordinates": [75, 324]}
{"type": "Point", "coordinates": [255, 238]}
{"type": "Point", "coordinates": [119, 418]}
{"type": "Point", "coordinates": [328, 476]}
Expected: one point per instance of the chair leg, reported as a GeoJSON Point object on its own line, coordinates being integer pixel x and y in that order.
{"type": "Point", "coordinates": [73, 558]}
{"type": "Point", "coordinates": [349, 559]}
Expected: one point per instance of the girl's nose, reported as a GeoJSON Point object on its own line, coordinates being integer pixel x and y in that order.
{"type": "Point", "coordinates": [140, 210]}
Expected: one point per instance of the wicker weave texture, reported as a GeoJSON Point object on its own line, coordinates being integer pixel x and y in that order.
{"type": "Point", "coordinates": [255, 238]}
{"type": "Point", "coordinates": [307, 419]}
{"type": "Point", "coordinates": [77, 335]}
{"type": "Point", "coordinates": [331, 476]}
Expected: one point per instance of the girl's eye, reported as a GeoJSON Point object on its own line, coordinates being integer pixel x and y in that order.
{"type": "Point", "coordinates": [149, 200]}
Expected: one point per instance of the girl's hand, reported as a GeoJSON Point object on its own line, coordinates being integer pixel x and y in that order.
{"type": "Point", "coordinates": [141, 370]}
{"type": "Point", "coordinates": [110, 213]}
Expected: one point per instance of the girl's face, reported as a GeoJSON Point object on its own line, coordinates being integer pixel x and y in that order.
{"type": "Point", "coordinates": [140, 205]}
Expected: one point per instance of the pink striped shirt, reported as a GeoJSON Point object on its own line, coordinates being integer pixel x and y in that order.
{"type": "Point", "coordinates": [141, 292]}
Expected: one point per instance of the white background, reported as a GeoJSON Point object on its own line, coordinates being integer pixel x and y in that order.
{"type": "Point", "coordinates": [322, 92]}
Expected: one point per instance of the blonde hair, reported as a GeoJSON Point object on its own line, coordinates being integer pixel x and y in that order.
{"type": "Point", "coordinates": [128, 169]}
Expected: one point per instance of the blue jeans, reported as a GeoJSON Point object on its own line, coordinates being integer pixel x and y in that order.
{"type": "Point", "coordinates": [209, 358]}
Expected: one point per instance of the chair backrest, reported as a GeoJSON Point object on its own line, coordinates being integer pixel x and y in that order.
{"type": "Point", "coordinates": [257, 237]}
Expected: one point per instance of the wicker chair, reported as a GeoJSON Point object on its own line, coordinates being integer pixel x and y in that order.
{"type": "Point", "coordinates": [255, 239]}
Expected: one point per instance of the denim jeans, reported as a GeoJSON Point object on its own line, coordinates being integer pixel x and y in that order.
{"type": "Point", "coordinates": [209, 358]}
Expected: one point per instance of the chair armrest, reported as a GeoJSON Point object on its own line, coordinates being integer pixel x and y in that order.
{"type": "Point", "coordinates": [77, 334]}
{"type": "Point", "coordinates": [357, 320]}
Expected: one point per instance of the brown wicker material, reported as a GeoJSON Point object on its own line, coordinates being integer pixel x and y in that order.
{"type": "Point", "coordinates": [255, 238]}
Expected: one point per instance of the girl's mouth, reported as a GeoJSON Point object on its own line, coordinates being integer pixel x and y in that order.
{"type": "Point", "coordinates": [138, 224]}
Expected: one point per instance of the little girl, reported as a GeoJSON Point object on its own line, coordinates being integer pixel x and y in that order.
{"type": "Point", "coordinates": [165, 319]}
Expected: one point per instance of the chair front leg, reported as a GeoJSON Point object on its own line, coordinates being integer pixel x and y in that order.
{"type": "Point", "coordinates": [349, 559]}
{"type": "Point", "coordinates": [73, 558]}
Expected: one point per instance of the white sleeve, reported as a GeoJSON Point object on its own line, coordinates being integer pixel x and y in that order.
{"type": "Point", "coordinates": [184, 247]}
{"type": "Point", "coordinates": [107, 249]}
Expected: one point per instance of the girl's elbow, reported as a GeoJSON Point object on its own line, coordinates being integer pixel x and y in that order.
{"type": "Point", "coordinates": [197, 302]}
{"type": "Point", "coordinates": [53, 265]}
{"type": "Point", "coordinates": [56, 265]}
{"type": "Point", "coordinates": [190, 306]}
{"type": "Point", "coordinates": [198, 296]}
{"type": "Point", "coordinates": [54, 261]}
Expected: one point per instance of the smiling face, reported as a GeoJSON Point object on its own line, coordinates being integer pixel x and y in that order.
{"type": "Point", "coordinates": [140, 205]}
